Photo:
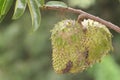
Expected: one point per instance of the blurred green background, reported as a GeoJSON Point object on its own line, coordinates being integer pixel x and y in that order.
{"type": "Point", "coordinates": [26, 55]}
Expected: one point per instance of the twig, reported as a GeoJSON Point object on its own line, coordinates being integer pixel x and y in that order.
{"type": "Point", "coordinates": [86, 15]}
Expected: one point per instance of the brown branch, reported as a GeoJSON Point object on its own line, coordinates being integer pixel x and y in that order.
{"type": "Point", "coordinates": [87, 15]}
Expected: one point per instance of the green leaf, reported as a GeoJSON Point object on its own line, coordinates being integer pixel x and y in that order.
{"type": "Point", "coordinates": [5, 5]}
{"type": "Point", "coordinates": [56, 3]}
{"type": "Point", "coordinates": [20, 7]}
{"type": "Point", "coordinates": [35, 14]}
{"type": "Point", "coordinates": [1, 5]}
{"type": "Point", "coordinates": [40, 2]}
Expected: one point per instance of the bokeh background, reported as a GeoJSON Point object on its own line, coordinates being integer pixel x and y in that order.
{"type": "Point", "coordinates": [26, 55]}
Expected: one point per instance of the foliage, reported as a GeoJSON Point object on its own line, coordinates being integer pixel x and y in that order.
{"type": "Point", "coordinates": [4, 8]}
{"type": "Point", "coordinates": [20, 6]}
{"type": "Point", "coordinates": [109, 67]}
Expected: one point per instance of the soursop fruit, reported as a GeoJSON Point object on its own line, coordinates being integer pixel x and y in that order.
{"type": "Point", "coordinates": [74, 49]}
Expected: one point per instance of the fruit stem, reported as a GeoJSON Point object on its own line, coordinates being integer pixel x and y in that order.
{"type": "Point", "coordinates": [86, 15]}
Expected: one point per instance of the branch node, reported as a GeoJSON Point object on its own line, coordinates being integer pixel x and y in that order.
{"type": "Point", "coordinates": [85, 15]}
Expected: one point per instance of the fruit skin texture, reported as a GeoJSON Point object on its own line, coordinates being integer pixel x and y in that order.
{"type": "Point", "coordinates": [74, 49]}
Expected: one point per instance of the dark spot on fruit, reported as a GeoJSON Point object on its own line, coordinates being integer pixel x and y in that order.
{"type": "Point", "coordinates": [68, 67]}
{"type": "Point", "coordinates": [86, 53]}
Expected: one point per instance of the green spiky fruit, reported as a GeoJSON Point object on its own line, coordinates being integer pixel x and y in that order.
{"type": "Point", "coordinates": [74, 49]}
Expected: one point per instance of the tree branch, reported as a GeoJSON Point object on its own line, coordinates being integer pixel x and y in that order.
{"type": "Point", "coordinates": [86, 15]}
